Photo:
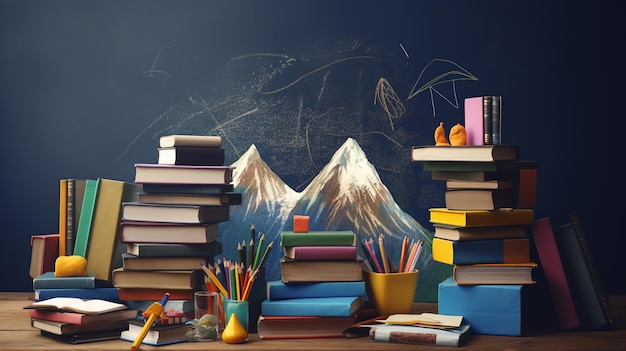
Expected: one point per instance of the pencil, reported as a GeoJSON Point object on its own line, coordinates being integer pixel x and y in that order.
{"type": "Point", "coordinates": [403, 251]}
{"type": "Point", "coordinates": [250, 252]}
{"type": "Point", "coordinates": [265, 254]}
{"type": "Point", "coordinates": [258, 252]}
{"type": "Point", "coordinates": [215, 281]}
{"type": "Point", "coordinates": [370, 249]}
{"type": "Point", "coordinates": [237, 282]}
{"type": "Point", "coordinates": [383, 255]}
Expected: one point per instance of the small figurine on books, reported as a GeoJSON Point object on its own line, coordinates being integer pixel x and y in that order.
{"type": "Point", "coordinates": [458, 136]}
{"type": "Point", "coordinates": [205, 328]}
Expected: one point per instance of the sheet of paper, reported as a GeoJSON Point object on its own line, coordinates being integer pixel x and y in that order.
{"type": "Point", "coordinates": [424, 319]}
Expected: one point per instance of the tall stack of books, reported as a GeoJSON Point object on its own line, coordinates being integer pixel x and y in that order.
{"type": "Point", "coordinates": [483, 233]}
{"type": "Point", "coordinates": [321, 288]}
{"type": "Point", "coordinates": [170, 231]}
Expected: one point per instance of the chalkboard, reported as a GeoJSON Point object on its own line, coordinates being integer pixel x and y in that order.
{"type": "Point", "coordinates": [86, 89]}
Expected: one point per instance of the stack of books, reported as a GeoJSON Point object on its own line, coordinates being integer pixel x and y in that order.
{"type": "Point", "coordinates": [483, 233]}
{"type": "Point", "coordinates": [321, 289]}
{"type": "Point", "coordinates": [171, 231]}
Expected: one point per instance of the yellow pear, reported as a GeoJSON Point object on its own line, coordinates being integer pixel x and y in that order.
{"type": "Point", "coordinates": [458, 136]}
{"type": "Point", "coordinates": [234, 333]}
{"type": "Point", "coordinates": [440, 136]}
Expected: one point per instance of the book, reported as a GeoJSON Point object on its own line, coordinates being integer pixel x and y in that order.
{"type": "Point", "coordinates": [488, 309]}
{"type": "Point", "coordinates": [302, 327]}
{"type": "Point", "coordinates": [157, 335]}
{"type": "Point", "coordinates": [132, 262]}
{"type": "Point", "coordinates": [279, 290]}
{"type": "Point", "coordinates": [182, 174]}
{"type": "Point", "coordinates": [82, 318]}
{"type": "Point", "coordinates": [103, 249]}
{"type": "Point", "coordinates": [317, 238]}
{"type": "Point", "coordinates": [487, 120]}
{"type": "Point", "coordinates": [184, 306]}
{"type": "Point", "coordinates": [213, 248]}
{"type": "Point", "coordinates": [480, 119]}
{"type": "Point", "coordinates": [479, 233]}
{"type": "Point", "coordinates": [206, 189]}
{"type": "Point", "coordinates": [74, 304]}
{"type": "Point", "coordinates": [479, 170]}
{"type": "Point", "coordinates": [74, 193]}
{"type": "Point", "coordinates": [416, 335]}
{"type": "Point", "coordinates": [60, 328]}
{"type": "Point", "coordinates": [317, 271]}
{"type": "Point", "coordinates": [176, 280]}
{"type": "Point", "coordinates": [466, 153]}
{"type": "Point", "coordinates": [344, 252]}
{"type": "Point", "coordinates": [49, 281]}
{"type": "Point", "coordinates": [191, 214]}
{"type": "Point", "coordinates": [339, 306]}
{"type": "Point", "coordinates": [172, 233]}
{"type": "Point", "coordinates": [481, 251]}
{"type": "Point", "coordinates": [153, 294]}
{"type": "Point", "coordinates": [493, 184]}
{"type": "Point", "coordinates": [190, 155]}
{"type": "Point", "coordinates": [482, 199]}
{"type": "Point", "coordinates": [102, 293]}
{"type": "Point", "coordinates": [227, 199]}
{"type": "Point", "coordinates": [85, 221]}
{"type": "Point", "coordinates": [43, 254]}
{"type": "Point", "coordinates": [84, 337]}
{"type": "Point", "coordinates": [190, 140]}
{"type": "Point", "coordinates": [496, 120]}
{"type": "Point", "coordinates": [552, 267]}
{"type": "Point", "coordinates": [62, 216]}
{"type": "Point", "coordinates": [477, 218]}
{"type": "Point", "coordinates": [586, 286]}
{"type": "Point", "coordinates": [494, 273]}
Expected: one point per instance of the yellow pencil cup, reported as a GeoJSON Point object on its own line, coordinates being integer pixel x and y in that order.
{"type": "Point", "coordinates": [391, 293]}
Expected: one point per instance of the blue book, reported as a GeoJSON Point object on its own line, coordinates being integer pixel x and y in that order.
{"type": "Point", "coordinates": [489, 309]}
{"type": "Point", "coordinates": [49, 281]}
{"type": "Point", "coordinates": [343, 306]}
{"type": "Point", "coordinates": [278, 290]}
{"type": "Point", "coordinates": [109, 293]}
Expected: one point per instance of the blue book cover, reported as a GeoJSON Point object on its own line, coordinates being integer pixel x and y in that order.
{"type": "Point", "coordinates": [49, 281]}
{"type": "Point", "coordinates": [109, 293]}
{"type": "Point", "coordinates": [278, 290]}
{"type": "Point", "coordinates": [489, 309]}
{"type": "Point", "coordinates": [343, 306]}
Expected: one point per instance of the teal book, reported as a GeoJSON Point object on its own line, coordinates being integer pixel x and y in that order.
{"type": "Point", "coordinates": [344, 306]}
{"type": "Point", "coordinates": [104, 293]}
{"type": "Point", "coordinates": [278, 290]}
{"type": "Point", "coordinates": [318, 238]}
{"type": "Point", "coordinates": [85, 218]}
{"type": "Point", "coordinates": [49, 281]}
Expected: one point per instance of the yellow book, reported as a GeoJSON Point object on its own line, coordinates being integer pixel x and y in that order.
{"type": "Point", "coordinates": [478, 218]}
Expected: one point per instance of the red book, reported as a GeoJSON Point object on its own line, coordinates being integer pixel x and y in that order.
{"type": "Point", "coordinates": [555, 275]}
{"type": "Point", "coordinates": [44, 252]}
{"type": "Point", "coordinates": [321, 252]}
{"type": "Point", "coordinates": [82, 318]}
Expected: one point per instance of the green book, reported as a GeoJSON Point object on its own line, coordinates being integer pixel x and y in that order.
{"type": "Point", "coordinates": [475, 166]}
{"type": "Point", "coordinates": [86, 218]}
{"type": "Point", "coordinates": [321, 238]}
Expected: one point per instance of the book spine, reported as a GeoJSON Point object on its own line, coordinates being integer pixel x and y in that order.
{"type": "Point", "coordinates": [496, 119]}
{"type": "Point", "coordinates": [69, 220]}
{"type": "Point", "coordinates": [400, 337]}
{"type": "Point", "coordinates": [487, 120]}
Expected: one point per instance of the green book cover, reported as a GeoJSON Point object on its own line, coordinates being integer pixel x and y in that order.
{"type": "Point", "coordinates": [321, 238]}
{"type": "Point", "coordinates": [86, 218]}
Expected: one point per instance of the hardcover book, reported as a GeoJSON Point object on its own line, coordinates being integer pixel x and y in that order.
{"type": "Point", "coordinates": [191, 214]}
{"type": "Point", "coordinates": [318, 271]}
{"type": "Point", "coordinates": [82, 318]}
{"type": "Point", "coordinates": [479, 233]}
{"type": "Point", "coordinates": [482, 199]}
{"type": "Point", "coordinates": [206, 189]}
{"type": "Point", "coordinates": [344, 306]}
{"type": "Point", "coordinates": [86, 217]}
{"type": "Point", "coordinates": [133, 232]}
{"type": "Point", "coordinates": [466, 170]}
{"type": "Point", "coordinates": [84, 337]}
{"type": "Point", "coordinates": [153, 294]}
{"type": "Point", "coordinates": [49, 281]}
{"type": "Point", "coordinates": [318, 238]}
{"type": "Point", "coordinates": [477, 218]}
{"type": "Point", "coordinates": [182, 174]}
{"type": "Point", "coordinates": [493, 184]}
{"type": "Point", "coordinates": [343, 252]}
{"type": "Point", "coordinates": [44, 252]}
{"type": "Point", "coordinates": [157, 335]}
{"type": "Point", "coordinates": [175, 280]}
{"type": "Point", "coordinates": [302, 327]}
{"type": "Point", "coordinates": [131, 262]}
{"type": "Point", "coordinates": [192, 199]}
{"type": "Point", "coordinates": [466, 153]}
{"type": "Point", "coordinates": [60, 328]}
{"type": "Point", "coordinates": [494, 273]}
{"type": "Point", "coordinates": [213, 248]}
{"type": "Point", "coordinates": [415, 335]}
{"type": "Point", "coordinates": [102, 293]}
{"type": "Point", "coordinates": [481, 251]}
{"type": "Point", "coordinates": [190, 140]}
{"type": "Point", "coordinates": [74, 304]}
{"type": "Point", "coordinates": [278, 290]}
{"type": "Point", "coordinates": [190, 155]}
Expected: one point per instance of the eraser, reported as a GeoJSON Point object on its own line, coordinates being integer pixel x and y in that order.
{"type": "Point", "coordinates": [300, 224]}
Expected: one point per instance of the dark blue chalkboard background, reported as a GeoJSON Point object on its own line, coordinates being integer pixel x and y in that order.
{"type": "Point", "coordinates": [86, 88]}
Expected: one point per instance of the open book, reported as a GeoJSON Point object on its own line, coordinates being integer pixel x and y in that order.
{"type": "Point", "coordinates": [73, 304]}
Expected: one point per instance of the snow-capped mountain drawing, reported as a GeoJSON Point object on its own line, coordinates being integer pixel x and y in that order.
{"type": "Point", "coordinates": [347, 194]}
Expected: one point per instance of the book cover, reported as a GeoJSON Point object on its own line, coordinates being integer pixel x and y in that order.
{"type": "Point", "coordinates": [191, 214]}
{"type": "Point", "coordinates": [415, 335]}
{"type": "Point", "coordinates": [213, 248]}
{"type": "Point", "coordinates": [104, 250]}
{"type": "Point", "coordinates": [279, 290]}
{"type": "Point", "coordinates": [343, 252]}
{"type": "Point", "coordinates": [474, 121]}
{"type": "Point", "coordinates": [75, 304]}
{"type": "Point", "coordinates": [131, 262]}
{"type": "Point", "coordinates": [190, 140]}
{"type": "Point", "coordinates": [302, 327]}
{"type": "Point", "coordinates": [182, 174]}
{"type": "Point", "coordinates": [479, 233]}
{"type": "Point", "coordinates": [62, 216]}
{"type": "Point", "coordinates": [592, 306]}
{"type": "Point", "coordinates": [466, 153]}
{"type": "Point", "coordinates": [157, 335]}
{"type": "Point", "coordinates": [168, 233]}
{"type": "Point", "coordinates": [465, 168]}
{"type": "Point", "coordinates": [494, 273]}
{"type": "Point", "coordinates": [317, 271]}
{"type": "Point", "coordinates": [487, 120]}
{"type": "Point", "coordinates": [153, 294]}
{"type": "Point", "coordinates": [229, 199]}
{"type": "Point", "coordinates": [84, 337]}
{"type": "Point", "coordinates": [44, 252]}
{"type": "Point", "coordinates": [176, 280]}
{"type": "Point", "coordinates": [69, 216]}
{"type": "Point", "coordinates": [82, 318]}
{"type": "Point", "coordinates": [49, 281]}
{"type": "Point", "coordinates": [492, 184]}
{"type": "Point", "coordinates": [552, 266]}
{"type": "Point", "coordinates": [191, 155]}
{"type": "Point", "coordinates": [86, 217]}
{"type": "Point", "coordinates": [488, 309]}
{"type": "Point", "coordinates": [481, 251]}
{"type": "Point", "coordinates": [60, 328]}
{"type": "Point", "coordinates": [477, 218]}
{"type": "Point", "coordinates": [317, 238]}
{"type": "Point", "coordinates": [343, 306]}
{"type": "Point", "coordinates": [206, 189]}
{"type": "Point", "coordinates": [496, 119]}
{"type": "Point", "coordinates": [480, 199]}
{"type": "Point", "coordinates": [102, 293]}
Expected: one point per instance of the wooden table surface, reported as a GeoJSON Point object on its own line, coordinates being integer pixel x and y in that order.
{"type": "Point", "coordinates": [17, 334]}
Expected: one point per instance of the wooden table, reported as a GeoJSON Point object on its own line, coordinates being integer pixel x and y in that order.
{"type": "Point", "coordinates": [17, 334]}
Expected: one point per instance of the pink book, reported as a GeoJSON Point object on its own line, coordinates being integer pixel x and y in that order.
{"type": "Point", "coordinates": [321, 252]}
{"type": "Point", "coordinates": [474, 120]}
{"type": "Point", "coordinates": [555, 275]}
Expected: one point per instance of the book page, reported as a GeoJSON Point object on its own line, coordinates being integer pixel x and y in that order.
{"type": "Point", "coordinates": [92, 306]}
